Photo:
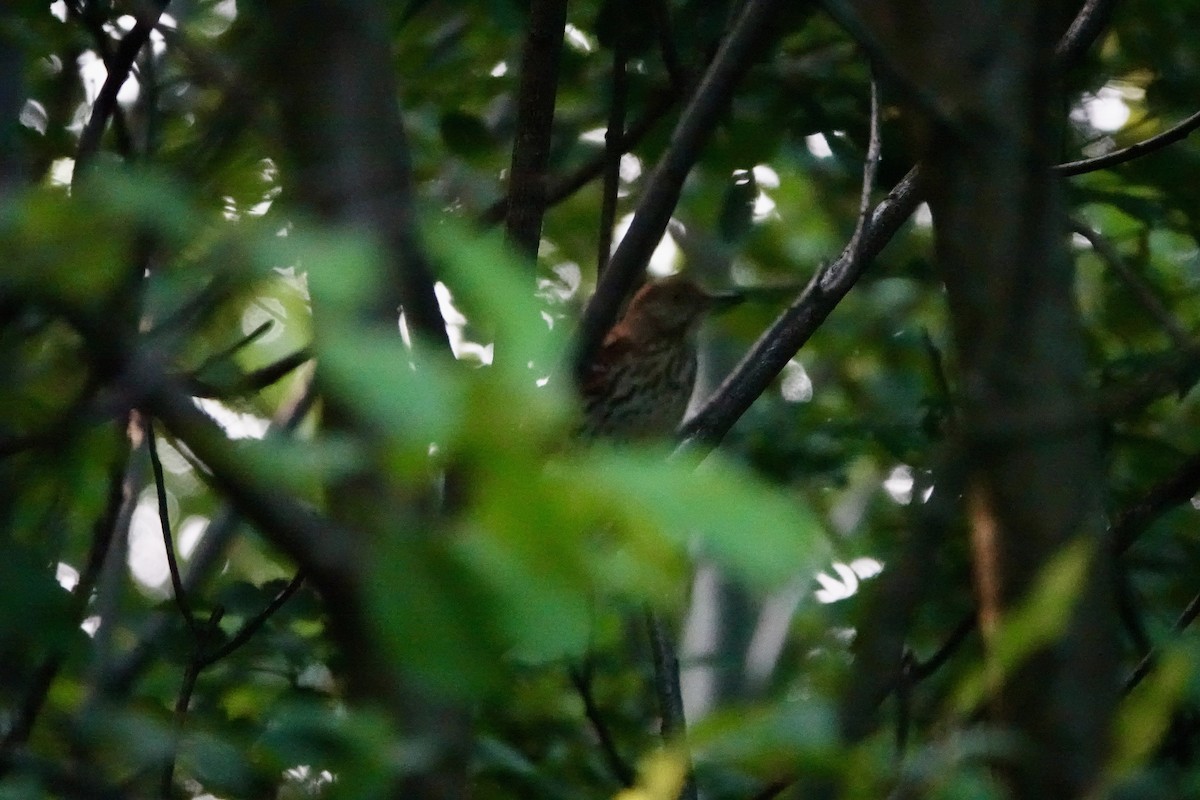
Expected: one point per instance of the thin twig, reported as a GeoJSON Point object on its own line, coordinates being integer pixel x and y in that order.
{"type": "Point", "coordinates": [184, 699]}
{"type": "Point", "coordinates": [581, 679]}
{"type": "Point", "coordinates": [666, 47]}
{"type": "Point", "coordinates": [164, 516]}
{"type": "Point", "coordinates": [252, 625]}
{"type": "Point", "coordinates": [228, 352]}
{"type": "Point", "coordinates": [665, 659]}
{"type": "Point", "coordinates": [563, 188]}
{"type": "Point", "coordinates": [923, 669]}
{"type": "Point", "coordinates": [1170, 136]}
{"type": "Point", "coordinates": [1175, 490]}
{"type": "Point", "coordinates": [255, 380]}
{"type": "Point", "coordinates": [1138, 286]}
{"type": "Point", "coordinates": [870, 170]}
{"type": "Point", "coordinates": [1149, 661]}
{"type": "Point", "coordinates": [613, 138]}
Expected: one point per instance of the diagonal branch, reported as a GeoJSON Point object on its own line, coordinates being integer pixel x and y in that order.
{"type": "Point", "coordinates": [118, 72]}
{"type": "Point", "coordinates": [614, 135]}
{"type": "Point", "coordinates": [568, 185]}
{"type": "Point", "coordinates": [737, 52]}
{"type": "Point", "coordinates": [1173, 134]}
{"type": "Point", "coordinates": [1088, 24]}
{"type": "Point", "coordinates": [1176, 489]}
{"type": "Point", "coordinates": [581, 679]}
{"type": "Point", "coordinates": [164, 517]}
{"type": "Point", "coordinates": [870, 169]}
{"type": "Point", "coordinates": [779, 343]}
{"type": "Point", "coordinates": [252, 625]}
{"type": "Point", "coordinates": [1138, 286]}
{"type": "Point", "coordinates": [1144, 667]}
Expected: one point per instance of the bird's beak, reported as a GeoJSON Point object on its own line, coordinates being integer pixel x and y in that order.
{"type": "Point", "coordinates": [723, 301]}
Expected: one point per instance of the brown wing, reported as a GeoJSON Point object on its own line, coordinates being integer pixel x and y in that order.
{"type": "Point", "coordinates": [603, 380]}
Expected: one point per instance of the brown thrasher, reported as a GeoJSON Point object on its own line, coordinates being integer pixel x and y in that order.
{"type": "Point", "coordinates": [641, 380]}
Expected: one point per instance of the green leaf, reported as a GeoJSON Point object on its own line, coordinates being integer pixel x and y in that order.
{"type": "Point", "coordinates": [1144, 717]}
{"type": "Point", "coordinates": [764, 536]}
{"type": "Point", "coordinates": [1038, 621]}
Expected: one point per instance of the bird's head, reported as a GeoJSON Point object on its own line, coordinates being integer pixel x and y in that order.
{"type": "Point", "coordinates": [673, 306]}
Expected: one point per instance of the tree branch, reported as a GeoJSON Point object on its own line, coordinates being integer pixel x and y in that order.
{"type": "Point", "coordinates": [1174, 134]}
{"type": "Point", "coordinates": [1088, 24]}
{"type": "Point", "coordinates": [252, 625]}
{"type": "Point", "coordinates": [779, 343]}
{"type": "Point", "coordinates": [1174, 490]}
{"type": "Point", "coordinates": [535, 120]}
{"type": "Point", "coordinates": [1144, 667]}
{"type": "Point", "coordinates": [613, 140]}
{"type": "Point", "coordinates": [1138, 286]}
{"type": "Point", "coordinates": [563, 188]}
{"type": "Point", "coordinates": [740, 48]}
{"type": "Point", "coordinates": [581, 679]}
{"type": "Point", "coordinates": [668, 691]}
{"type": "Point", "coordinates": [118, 72]}
{"type": "Point", "coordinates": [164, 517]}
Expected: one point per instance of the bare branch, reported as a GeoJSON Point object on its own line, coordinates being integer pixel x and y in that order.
{"type": "Point", "coordinates": [1088, 24]}
{"type": "Point", "coordinates": [666, 47]}
{"type": "Point", "coordinates": [779, 343]}
{"type": "Point", "coordinates": [164, 516]}
{"type": "Point", "coordinates": [740, 48]}
{"type": "Point", "coordinates": [667, 689]}
{"type": "Point", "coordinates": [253, 624]}
{"type": "Point", "coordinates": [1144, 667]}
{"type": "Point", "coordinates": [581, 679]}
{"type": "Point", "coordinates": [118, 72]}
{"type": "Point", "coordinates": [1174, 134]}
{"type": "Point", "coordinates": [1138, 286]}
{"type": "Point", "coordinates": [870, 169]}
{"type": "Point", "coordinates": [1176, 489]}
{"type": "Point", "coordinates": [613, 141]}
{"type": "Point", "coordinates": [565, 187]}
{"type": "Point", "coordinates": [535, 120]}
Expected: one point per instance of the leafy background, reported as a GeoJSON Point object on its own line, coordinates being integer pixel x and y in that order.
{"type": "Point", "coordinates": [183, 246]}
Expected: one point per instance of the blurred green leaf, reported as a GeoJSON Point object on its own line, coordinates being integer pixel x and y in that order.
{"type": "Point", "coordinates": [762, 536]}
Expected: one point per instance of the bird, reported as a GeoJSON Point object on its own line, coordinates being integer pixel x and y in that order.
{"type": "Point", "coordinates": [638, 386]}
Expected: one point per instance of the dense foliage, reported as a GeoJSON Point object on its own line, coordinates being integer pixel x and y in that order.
{"type": "Point", "coordinates": [258, 540]}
